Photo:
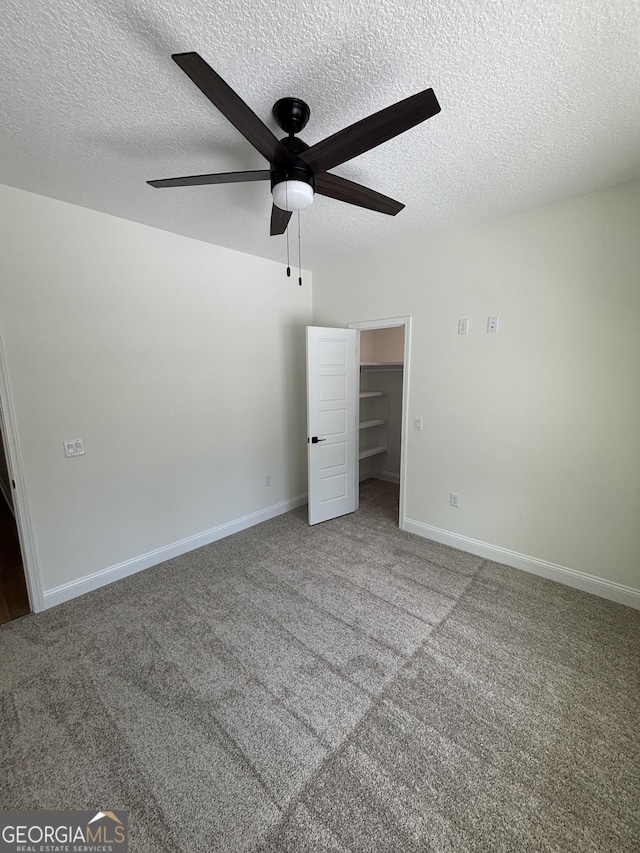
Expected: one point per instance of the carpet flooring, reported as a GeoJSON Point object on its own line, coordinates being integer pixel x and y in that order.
{"type": "Point", "coordinates": [346, 687]}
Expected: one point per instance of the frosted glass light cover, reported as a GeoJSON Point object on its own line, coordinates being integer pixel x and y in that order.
{"type": "Point", "coordinates": [292, 195]}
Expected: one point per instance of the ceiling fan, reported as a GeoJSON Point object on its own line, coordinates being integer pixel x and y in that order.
{"type": "Point", "coordinates": [297, 171]}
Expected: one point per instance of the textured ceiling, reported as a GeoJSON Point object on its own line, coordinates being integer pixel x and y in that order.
{"type": "Point", "coordinates": [540, 101]}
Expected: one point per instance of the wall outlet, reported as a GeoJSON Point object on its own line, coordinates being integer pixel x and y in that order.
{"type": "Point", "coordinates": [492, 325]}
{"type": "Point", "coordinates": [463, 327]}
{"type": "Point", "coordinates": [454, 499]}
{"type": "Point", "coordinates": [267, 480]}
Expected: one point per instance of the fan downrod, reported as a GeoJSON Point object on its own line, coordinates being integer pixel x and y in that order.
{"type": "Point", "coordinates": [291, 114]}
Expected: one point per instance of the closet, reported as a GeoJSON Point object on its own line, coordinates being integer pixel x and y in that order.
{"type": "Point", "coordinates": [381, 381]}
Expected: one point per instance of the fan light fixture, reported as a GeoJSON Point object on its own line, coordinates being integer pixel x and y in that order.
{"type": "Point", "coordinates": [292, 195]}
{"type": "Point", "coordinates": [297, 171]}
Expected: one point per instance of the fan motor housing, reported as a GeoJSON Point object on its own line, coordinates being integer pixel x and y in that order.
{"type": "Point", "coordinates": [295, 169]}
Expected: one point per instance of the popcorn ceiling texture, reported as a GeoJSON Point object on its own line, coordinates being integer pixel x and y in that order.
{"type": "Point", "coordinates": [540, 101]}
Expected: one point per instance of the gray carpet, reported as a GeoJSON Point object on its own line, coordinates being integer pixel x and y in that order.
{"type": "Point", "coordinates": [346, 687]}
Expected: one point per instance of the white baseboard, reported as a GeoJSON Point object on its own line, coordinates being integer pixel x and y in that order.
{"type": "Point", "coordinates": [570, 577]}
{"type": "Point", "coordinates": [73, 589]}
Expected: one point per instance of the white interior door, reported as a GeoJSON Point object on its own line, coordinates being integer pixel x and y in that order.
{"type": "Point", "coordinates": [332, 429]}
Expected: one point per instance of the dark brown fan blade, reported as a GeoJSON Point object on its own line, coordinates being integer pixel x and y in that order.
{"type": "Point", "coordinates": [219, 178]}
{"type": "Point", "coordinates": [344, 190]}
{"type": "Point", "coordinates": [279, 220]}
{"type": "Point", "coordinates": [371, 131]}
{"type": "Point", "coordinates": [231, 106]}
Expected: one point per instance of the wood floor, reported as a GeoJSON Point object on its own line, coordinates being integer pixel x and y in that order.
{"type": "Point", "coordinates": [14, 601]}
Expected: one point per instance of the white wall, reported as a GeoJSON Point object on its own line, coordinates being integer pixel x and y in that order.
{"type": "Point", "coordinates": [538, 427]}
{"type": "Point", "coordinates": [382, 345]}
{"type": "Point", "coordinates": [179, 363]}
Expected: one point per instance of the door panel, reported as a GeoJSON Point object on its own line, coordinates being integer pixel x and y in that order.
{"type": "Point", "coordinates": [333, 456]}
{"type": "Point", "coordinates": [332, 389]}
{"type": "Point", "coordinates": [333, 488]}
{"type": "Point", "coordinates": [333, 422]}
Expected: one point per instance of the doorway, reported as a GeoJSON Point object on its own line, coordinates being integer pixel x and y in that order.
{"type": "Point", "coordinates": [355, 412]}
{"type": "Point", "coordinates": [14, 599]}
{"type": "Point", "coordinates": [383, 392]}
{"type": "Point", "coordinates": [16, 530]}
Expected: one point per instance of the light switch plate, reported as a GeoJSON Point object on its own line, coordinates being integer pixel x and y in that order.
{"type": "Point", "coordinates": [73, 447]}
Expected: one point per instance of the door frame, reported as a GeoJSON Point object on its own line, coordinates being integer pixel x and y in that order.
{"type": "Point", "coordinates": [388, 323]}
{"type": "Point", "coordinates": [11, 442]}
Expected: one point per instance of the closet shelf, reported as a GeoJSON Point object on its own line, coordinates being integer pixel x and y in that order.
{"type": "Point", "coordinates": [373, 422]}
{"type": "Point", "coordinates": [372, 451]}
{"type": "Point", "coordinates": [381, 365]}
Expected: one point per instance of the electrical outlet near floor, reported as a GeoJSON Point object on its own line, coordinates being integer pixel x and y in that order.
{"type": "Point", "coordinates": [267, 480]}
{"type": "Point", "coordinates": [454, 499]}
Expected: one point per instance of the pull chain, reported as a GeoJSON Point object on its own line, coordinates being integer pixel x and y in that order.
{"type": "Point", "coordinates": [299, 254]}
{"type": "Point", "coordinates": [288, 265]}
{"type": "Point", "coordinates": [287, 233]}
